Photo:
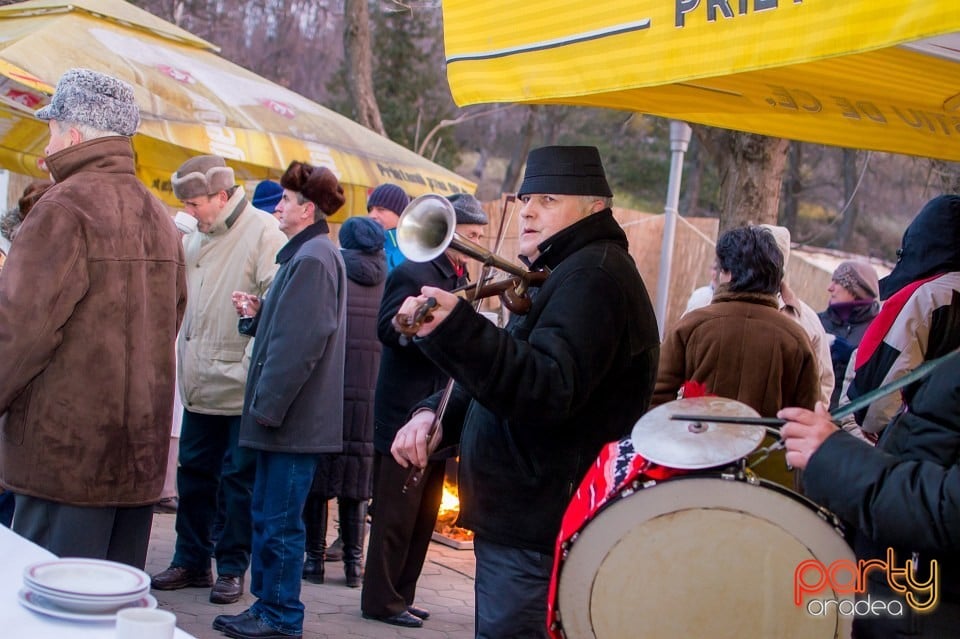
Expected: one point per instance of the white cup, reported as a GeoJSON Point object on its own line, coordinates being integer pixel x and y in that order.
{"type": "Point", "coordinates": [145, 623]}
{"type": "Point", "coordinates": [185, 222]}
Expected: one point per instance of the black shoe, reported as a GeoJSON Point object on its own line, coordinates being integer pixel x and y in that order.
{"type": "Point", "coordinates": [418, 612]}
{"type": "Point", "coordinates": [177, 577]}
{"type": "Point", "coordinates": [251, 627]}
{"type": "Point", "coordinates": [221, 621]}
{"type": "Point", "coordinates": [404, 619]}
{"type": "Point", "coordinates": [227, 590]}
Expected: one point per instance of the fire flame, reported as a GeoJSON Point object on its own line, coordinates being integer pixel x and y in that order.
{"type": "Point", "coordinates": [447, 514]}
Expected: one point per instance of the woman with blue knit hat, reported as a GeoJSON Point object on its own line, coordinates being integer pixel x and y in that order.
{"type": "Point", "coordinates": [385, 205]}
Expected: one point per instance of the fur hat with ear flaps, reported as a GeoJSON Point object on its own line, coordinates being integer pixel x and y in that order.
{"type": "Point", "coordinates": [202, 175]}
{"type": "Point", "coordinates": [316, 183]}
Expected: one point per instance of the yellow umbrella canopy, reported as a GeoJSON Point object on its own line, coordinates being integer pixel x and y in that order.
{"type": "Point", "coordinates": [869, 74]}
{"type": "Point", "coordinates": [191, 102]}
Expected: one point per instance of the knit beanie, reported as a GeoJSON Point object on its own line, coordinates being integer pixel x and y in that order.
{"type": "Point", "coordinates": [88, 97]}
{"type": "Point", "coordinates": [316, 183]}
{"type": "Point", "coordinates": [858, 278]}
{"type": "Point", "coordinates": [202, 175]}
{"type": "Point", "coordinates": [361, 234]}
{"type": "Point", "coordinates": [267, 195]}
{"type": "Point", "coordinates": [389, 196]}
{"type": "Point", "coordinates": [468, 209]}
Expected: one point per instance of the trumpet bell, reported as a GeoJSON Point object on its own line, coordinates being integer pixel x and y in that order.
{"type": "Point", "coordinates": [426, 227]}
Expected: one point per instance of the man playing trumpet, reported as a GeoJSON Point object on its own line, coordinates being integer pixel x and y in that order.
{"type": "Point", "coordinates": [534, 402]}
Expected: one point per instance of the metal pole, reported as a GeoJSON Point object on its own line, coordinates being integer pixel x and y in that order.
{"type": "Point", "coordinates": [679, 141]}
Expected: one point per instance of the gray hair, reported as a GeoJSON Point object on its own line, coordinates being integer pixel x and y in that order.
{"type": "Point", "coordinates": [86, 131]}
{"type": "Point", "coordinates": [587, 200]}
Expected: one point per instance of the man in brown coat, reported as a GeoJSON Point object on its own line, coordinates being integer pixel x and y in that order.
{"type": "Point", "coordinates": [91, 298]}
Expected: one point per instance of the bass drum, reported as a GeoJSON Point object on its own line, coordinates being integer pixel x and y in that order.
{"type": "Point", "coordinates": [700, 556]}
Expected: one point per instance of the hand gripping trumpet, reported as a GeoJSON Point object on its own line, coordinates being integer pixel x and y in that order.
{"type": "Point", "coordinates": [426, 229]}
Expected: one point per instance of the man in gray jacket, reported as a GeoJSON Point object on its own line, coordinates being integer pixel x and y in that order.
{"type": "Point", "coordinates": [235, 248]}
{"type": "Point", "coordinates": [293, 406]}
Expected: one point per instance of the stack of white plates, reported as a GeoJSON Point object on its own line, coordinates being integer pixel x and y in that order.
{"type": "Point", "coordinates": [84, 589]}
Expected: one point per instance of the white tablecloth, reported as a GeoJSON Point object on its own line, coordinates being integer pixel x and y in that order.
{"type": "Point", "coordinates": [16, 622]}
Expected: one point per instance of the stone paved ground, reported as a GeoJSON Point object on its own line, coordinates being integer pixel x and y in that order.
{"type": "Point", "coordinates": [333, 610]}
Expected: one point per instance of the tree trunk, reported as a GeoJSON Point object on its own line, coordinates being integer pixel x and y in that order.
{"type": "Point", "coordinates": [849, 220]}
{"type": "Point", "coordinates": [359, 65]}
{"type": "Point", "coordinates": [511, 181]}
{"type": "Point", "coordinates": [751, 172]}
{"type": "Point", "coordinates": [689, 201]}
{"type": "Point", "coordinates": [792, 185]}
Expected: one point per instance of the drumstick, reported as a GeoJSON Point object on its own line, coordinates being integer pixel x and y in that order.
{"type": "Point", "coordinates": [747, 421]}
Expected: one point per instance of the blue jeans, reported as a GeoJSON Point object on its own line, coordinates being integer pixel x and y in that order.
{"type": "Point", "coordinates": [214, 475]}
{"type": "Point", "coordinates": [280, 490]}
{"type": "Point", "coordinates": [512, 585]}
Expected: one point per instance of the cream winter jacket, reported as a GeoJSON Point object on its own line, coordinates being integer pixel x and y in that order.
{"type": "Point", "coordinates": [238, 254]}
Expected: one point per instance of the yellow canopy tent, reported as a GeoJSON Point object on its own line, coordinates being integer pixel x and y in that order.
{"type": "Point", "coordinates": [191, 101]}
{"type": "Point", "coordinates": [869, 74]}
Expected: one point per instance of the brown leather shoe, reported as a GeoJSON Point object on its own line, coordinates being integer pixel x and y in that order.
{"type": "Point", "coordinates": [177, 577]}
{"type": "Point", "coordinates": [227, 590]}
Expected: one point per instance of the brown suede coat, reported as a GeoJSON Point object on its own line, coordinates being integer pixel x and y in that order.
{"type": "Point", "coordinates": [91, 298]}
{"type": "Point", "coordinates": [743, 348]}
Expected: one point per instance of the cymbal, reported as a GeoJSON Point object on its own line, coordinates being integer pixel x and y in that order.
{"type": "Point", "coordinates": [694, 445]}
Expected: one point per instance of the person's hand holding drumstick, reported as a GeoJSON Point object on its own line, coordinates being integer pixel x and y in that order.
{"type": "Point", "coordinates": [804, 432]}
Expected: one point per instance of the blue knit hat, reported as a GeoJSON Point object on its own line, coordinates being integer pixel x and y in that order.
{"type": "Point", "coordinates": [390, 197]}
{"type": "Point", "coordinates": [267, 195]}
{"type": "Point", "coordinates": [361, 234]}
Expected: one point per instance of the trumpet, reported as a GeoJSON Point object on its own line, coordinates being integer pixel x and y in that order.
{"type": "Point", "coordinates": [427, 228]}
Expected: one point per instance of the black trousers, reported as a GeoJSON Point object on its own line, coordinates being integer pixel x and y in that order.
{"type": "Point", "coordinates": [399, 535]}
{"type": "Point", "coordinates": [215, 474]}
{"type": "Point", "coordinates": [110, 532]}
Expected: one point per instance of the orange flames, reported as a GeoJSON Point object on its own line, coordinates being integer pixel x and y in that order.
{"type": "Point", "coordinates": [447, 515]}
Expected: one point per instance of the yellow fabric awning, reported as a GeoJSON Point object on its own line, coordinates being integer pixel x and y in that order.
{"type": "Point", "coordinates": [191, 102]}
{"type": "Point", "coordinates": [869, 74]}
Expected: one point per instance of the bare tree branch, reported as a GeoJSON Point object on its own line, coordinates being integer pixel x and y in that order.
{"type": "Point", "coordinates": [464, 117]}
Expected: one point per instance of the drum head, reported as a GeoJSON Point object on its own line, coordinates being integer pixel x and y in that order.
{"type": "Point", "coordinates": [699, 557]}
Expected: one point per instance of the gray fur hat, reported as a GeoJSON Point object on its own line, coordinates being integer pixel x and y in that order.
{"type": "Point", "coordinates": [202, 175]}
{"type": "Point", "coordinates": [467, 209]}
{"type": "Point", "coordinates": [88, 97]}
